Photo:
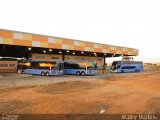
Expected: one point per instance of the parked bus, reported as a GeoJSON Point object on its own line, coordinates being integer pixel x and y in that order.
{"type": "Point", "coordinates": [44, 68]}
{"type": "Point", "coordinates": [77, 67]}
{"type": "Point", "coordinates": [127, 66]}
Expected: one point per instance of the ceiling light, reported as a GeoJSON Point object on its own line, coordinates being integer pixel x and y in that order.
{"type": "Point", "coordinates": [29, 48]}
{"type": "Point", "coordinates": [44, 51]}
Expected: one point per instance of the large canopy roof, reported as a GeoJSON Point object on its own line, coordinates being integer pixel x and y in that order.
{"type": "Point", "coordinates": [9, 37]}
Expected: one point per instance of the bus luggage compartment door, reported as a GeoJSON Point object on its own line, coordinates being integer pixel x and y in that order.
{"type": "Point", "coordinates": [90, 72]}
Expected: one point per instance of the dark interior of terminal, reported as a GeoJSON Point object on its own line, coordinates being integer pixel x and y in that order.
{"type": "Point", "coordinates": [23, 51]}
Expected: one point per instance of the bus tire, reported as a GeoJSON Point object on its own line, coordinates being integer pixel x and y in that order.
{"type": "Point", "coordinates": [22, 72]}
{"type": "Point", "coordinates": [77, 73]}
{"type": "Point", "coordinates": [82, 73]}
{"type": "Point", "coordinates": [47, 73]}
{"type": "Point", "coordinates": [43, 73]}
{"type": "Point", "coordinates": [122, 71]}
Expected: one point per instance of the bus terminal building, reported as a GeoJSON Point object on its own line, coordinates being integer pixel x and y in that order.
{"type": "Point", "coordinates": [41, 47]}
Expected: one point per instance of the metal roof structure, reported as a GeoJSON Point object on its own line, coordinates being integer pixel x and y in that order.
{"type": "Point", "coordinates": [9, 37]}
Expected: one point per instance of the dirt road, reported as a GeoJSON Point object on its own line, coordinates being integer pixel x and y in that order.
{"type": "Point", "coordinates": [125, 94]}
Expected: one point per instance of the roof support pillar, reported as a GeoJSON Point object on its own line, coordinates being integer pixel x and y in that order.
{"type": "Point", "coordinates": [63, 57]}
{"type": "Point", "coordinates": [104, 60]}
{"type": "Point", "coordinates": [104, 64]}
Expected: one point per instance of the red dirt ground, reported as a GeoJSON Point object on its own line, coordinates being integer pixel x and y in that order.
{"type": "Point", "coordinates": [129, 94]}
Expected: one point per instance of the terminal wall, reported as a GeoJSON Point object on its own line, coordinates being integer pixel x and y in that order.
{"type": "Point", "coordinates": [8, 66]}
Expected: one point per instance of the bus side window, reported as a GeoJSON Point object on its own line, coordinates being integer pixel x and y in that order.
{"type": "Point", "coordinates": [129, 67]}
{"type": "Point", "coordinates": [34, 65]}
{"type": "Point", "coordinates": [123, 67]}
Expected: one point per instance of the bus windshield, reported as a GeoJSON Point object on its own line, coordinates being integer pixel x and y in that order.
{"type": "Point", "coordinates": [116, 65]}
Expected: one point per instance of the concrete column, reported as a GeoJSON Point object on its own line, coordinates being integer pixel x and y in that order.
{"type": "Point", "coordinates": [104, 64]}
{"type": "Point", "coordinates": [104, 60]}
{"type": "Point", "coordinates": [63, 57]}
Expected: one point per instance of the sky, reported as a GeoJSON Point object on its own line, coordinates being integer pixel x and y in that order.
{"type": "Point", "coordinates": [128, 23]}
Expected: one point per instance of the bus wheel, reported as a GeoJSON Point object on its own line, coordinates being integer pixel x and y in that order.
{"type": "Point", "coordinates": [47, 73]}
{"type": "Point", "coordinates": [42, 73]}
{"type": "Point", "coordinates": [82, 73]}
{"type": "Point", "coordinates": [77, 73]}
{"type": "Point", "coordinates": [22, 72]}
